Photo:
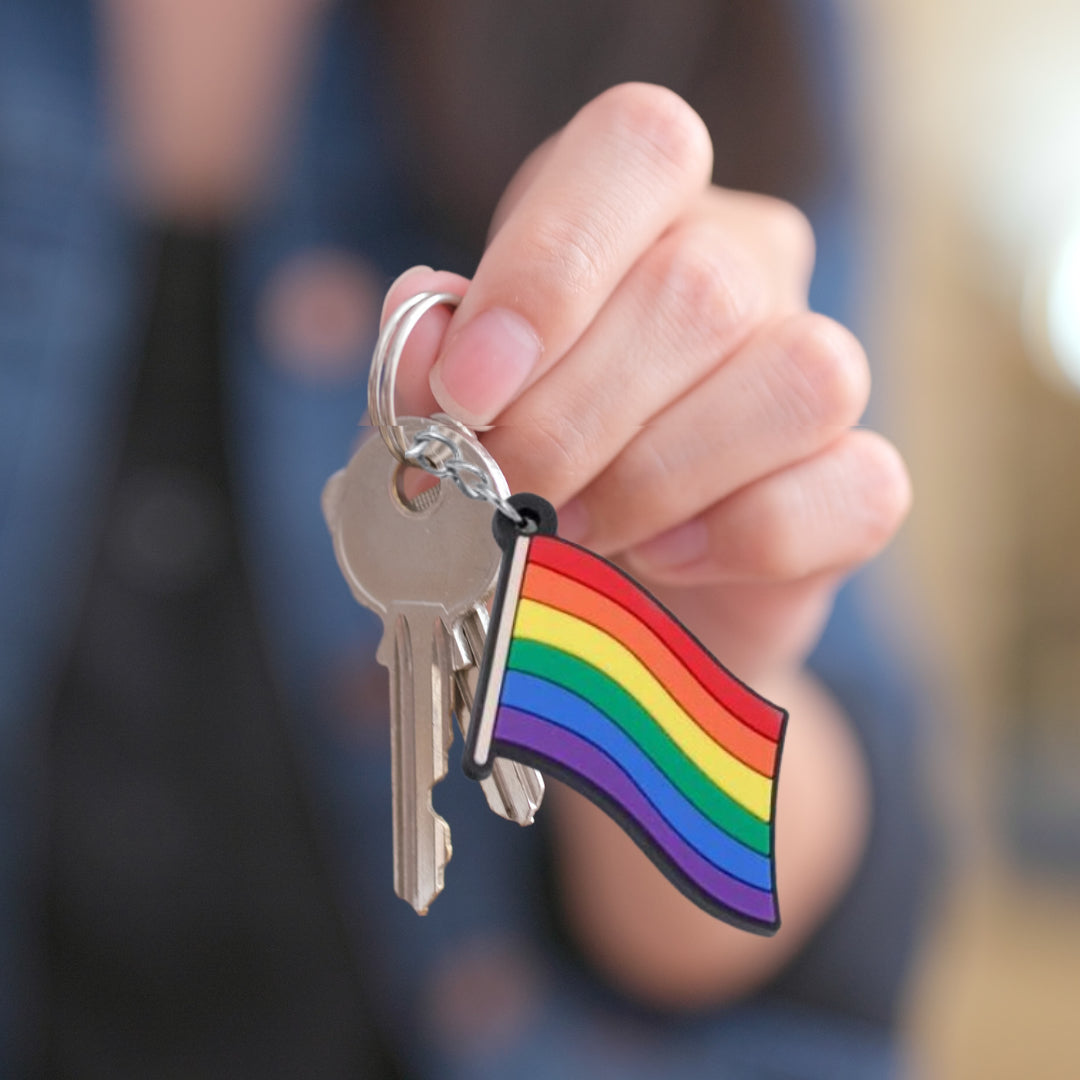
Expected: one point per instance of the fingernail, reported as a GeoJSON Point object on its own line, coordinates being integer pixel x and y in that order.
{"type": "Point", "coordinates": [485, 365]}
{"type": "Point", "coordinates": [574, 521]}
{"type": "Point", "coordinates": [680, 546]}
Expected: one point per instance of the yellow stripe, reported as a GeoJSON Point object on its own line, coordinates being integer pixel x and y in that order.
{"type": "Point", "coordinates": [539, 622]}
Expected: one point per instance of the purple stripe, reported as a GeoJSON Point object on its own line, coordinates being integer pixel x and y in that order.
{"type": "Point", "coordinates": [592, 765]}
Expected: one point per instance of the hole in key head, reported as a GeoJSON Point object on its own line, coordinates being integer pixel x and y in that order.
{"type": "Point", "coordinates": [415, 489]}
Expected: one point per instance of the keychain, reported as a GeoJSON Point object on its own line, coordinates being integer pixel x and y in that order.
{"type": "Point", "coordinates": [584, 675]}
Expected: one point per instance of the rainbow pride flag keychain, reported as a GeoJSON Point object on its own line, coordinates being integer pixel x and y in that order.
{"type": "Point", "coordinates": [587, 677]}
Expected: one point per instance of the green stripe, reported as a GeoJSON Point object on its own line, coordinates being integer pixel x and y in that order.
{"type": "Point", "coordinates": [581, 678]}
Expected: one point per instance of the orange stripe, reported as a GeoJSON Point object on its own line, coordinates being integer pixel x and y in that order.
{"type": "Point", "coordinates": [565, 594]}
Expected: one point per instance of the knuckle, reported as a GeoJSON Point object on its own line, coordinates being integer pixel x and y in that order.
{"type": "Point", "coordinates": [790, 231]}
{"type": "Point", "coordinates": [775, 550]}
{"type": "Point", "coordinates": [758, 535]}
{"type": "Point", "coordinates": [708, 289]}
{"type": "Point", "coordinates": [570, 251]}
{"type": "Point", "coordinates": [643, 473]}
{"type": "Point", "coordinates": [886, 496]}
{"type": "Point", "coordinates": [831, 383]}
{"type": "Point", "coordinates": [556, 442]}
{"type": "Point", "coordinates": [668, 131]}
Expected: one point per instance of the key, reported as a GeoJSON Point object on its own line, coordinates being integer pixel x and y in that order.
{"type": "Point", "coordinates": [422, 568]}
{"type": "Point", "coordinates": [513, 791]}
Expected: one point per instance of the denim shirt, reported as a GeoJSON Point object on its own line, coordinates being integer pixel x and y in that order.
{"type": "Point", "coordinates": [68, 289]}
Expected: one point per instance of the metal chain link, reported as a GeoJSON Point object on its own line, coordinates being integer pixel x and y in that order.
{"type": "Point", "coordinates": [471, 480]}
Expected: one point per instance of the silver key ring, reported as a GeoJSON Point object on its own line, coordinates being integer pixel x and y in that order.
{"type": "Point", "coordinates": [471, 480]}
{"type": "Point", "coordinates": [384, 367]}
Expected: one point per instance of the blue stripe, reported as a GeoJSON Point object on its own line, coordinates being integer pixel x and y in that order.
{"type": "Point", "coordinates": [565, 709]}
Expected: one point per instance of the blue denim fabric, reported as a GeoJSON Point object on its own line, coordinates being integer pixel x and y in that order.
{"type": "Point", "coordinates": [66, 303]}
{"type": "Point", "coordinates": [292, 434]}
{"type": "Point", "coordinates": [65, 311]}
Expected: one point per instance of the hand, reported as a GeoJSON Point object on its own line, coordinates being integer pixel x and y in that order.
{"type": "Point", "coordinates": [641, 342]}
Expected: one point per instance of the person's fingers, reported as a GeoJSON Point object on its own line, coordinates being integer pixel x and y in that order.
{"type": "Point", "coordinates": [412, 393]}
{"type": "Point", "coordinates": [776, 234]}
{"type": "Point", "coordinates": [521, 181]}
{"type": "Point", "coordinates": [755, 628]}
{"type": "Point", "coordinates": [617, 176]}
{"type": "Point", "coordinates": [789, 391]}
{"type": "Point", "coordinates": [823, 514]}
{"type": "Point", "coordinates": [683, 308]}
{"type": "Point", "coordinates": [688, 303]}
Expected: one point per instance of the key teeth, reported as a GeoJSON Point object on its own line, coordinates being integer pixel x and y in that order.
{"type": "Point", "coordinates": [420, 903]}
{"type": "Point", "coordinates": [419, 755]}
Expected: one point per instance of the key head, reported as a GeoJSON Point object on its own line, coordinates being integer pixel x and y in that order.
{"type": "Point", "coordinates": [438, 551]}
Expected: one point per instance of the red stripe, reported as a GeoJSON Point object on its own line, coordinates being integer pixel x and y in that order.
{"type": "Point", "coordinates": [597, 573]}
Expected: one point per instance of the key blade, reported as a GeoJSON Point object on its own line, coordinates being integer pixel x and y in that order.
{"type": "Point", "coordinates": [420, 735]}
{"type": "Point", "coordinates": [518, 788]}
{"type": "Point", "coordinates": [512, 790]}
{"type": "Point", "coordinates": [420, 565]}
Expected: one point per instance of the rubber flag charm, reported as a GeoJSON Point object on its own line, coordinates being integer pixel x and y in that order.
{"type": "Point", "coordinates": [587, 677]}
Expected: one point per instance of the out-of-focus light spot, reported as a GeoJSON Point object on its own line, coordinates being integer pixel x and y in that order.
{"type": "Point", "coordinates": [483, 994]}
{"type": "Point", "coordinates": [1063, 308]}
{"type": "Point", "coordinates": [1052, 306]}
{"type": "Point", "coordinates": [318, 314]}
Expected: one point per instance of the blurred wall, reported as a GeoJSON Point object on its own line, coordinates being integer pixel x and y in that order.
{"type": "Point", "coordinates": [971, 122]}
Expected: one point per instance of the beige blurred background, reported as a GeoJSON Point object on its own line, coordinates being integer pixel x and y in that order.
{"type": "Point", "coordinates": [971, 119]}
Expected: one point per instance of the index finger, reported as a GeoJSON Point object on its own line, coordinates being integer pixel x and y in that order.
{"type": "Point", "coordinates": [619, 173]}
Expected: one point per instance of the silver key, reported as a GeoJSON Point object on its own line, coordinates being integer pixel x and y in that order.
{"type": "Point", "coordinates": [422, 569]}
{"type": "Point", "coordinates": [513, 791]}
